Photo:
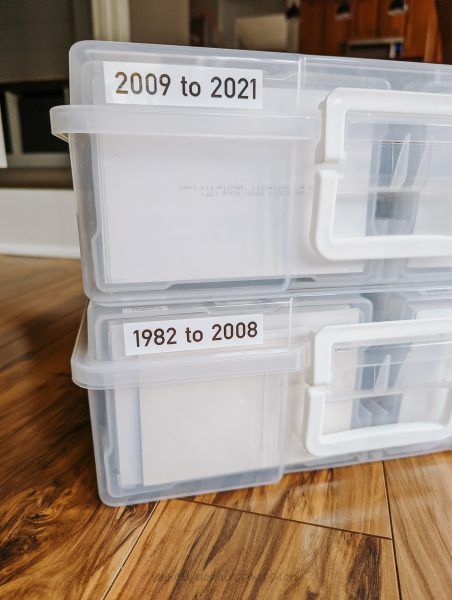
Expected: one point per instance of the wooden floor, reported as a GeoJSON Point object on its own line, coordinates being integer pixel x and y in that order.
{"type": "Point", "coordinates": [368, 531]}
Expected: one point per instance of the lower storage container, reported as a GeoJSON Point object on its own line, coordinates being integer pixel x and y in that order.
{"type": "Point", "coordinates": [195, 398]}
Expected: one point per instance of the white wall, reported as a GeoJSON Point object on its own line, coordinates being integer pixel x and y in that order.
{"type": "Point", "coordinates": [228, 10]}
{"type": "Point", "coordinates": [160, 21]}
{"type": "Point", "coordinates": [38, 222]}
{"type": "Point", "coordinates": [262, 32]}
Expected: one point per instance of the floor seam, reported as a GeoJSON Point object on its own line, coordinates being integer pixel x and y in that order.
{"type": "Point", "coordinates": [388, 503]}
{"type": "Point", "coordinates": [250, 512]}
{"type": "Point", "coordinates": [123, 564]}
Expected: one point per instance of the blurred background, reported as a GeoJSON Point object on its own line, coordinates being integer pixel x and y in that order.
{"type": "Point", "coordinates": [37, 207]}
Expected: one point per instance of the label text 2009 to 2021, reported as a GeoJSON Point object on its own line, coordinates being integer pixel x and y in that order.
{"type": "Point", "coordinates": [151, 84]}
{"type": "Point", "coordinates": [182, 85]}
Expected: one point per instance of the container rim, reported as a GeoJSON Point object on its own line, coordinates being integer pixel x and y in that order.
{"type": "Point", "coordinates": [129, 372]}
{"type": "Point", "coordinates": [173, 121]}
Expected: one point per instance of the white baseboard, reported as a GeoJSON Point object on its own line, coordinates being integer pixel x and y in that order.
{"type": "Point", "coordinates": [38, 222]}
{"type": "Point", "coordinates": [39, 250]}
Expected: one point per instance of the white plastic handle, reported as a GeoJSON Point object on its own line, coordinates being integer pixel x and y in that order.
{"type": "Point", "coordinates": [366, 438]}
{"type": "Point", "coordinates": [372, 334]}
{"type": "Point", "coordinates": [343, 100]}
{"type": "Point", "coordinates": [381, 436]}
{"type": "Point", "coordinates": [334, 111]}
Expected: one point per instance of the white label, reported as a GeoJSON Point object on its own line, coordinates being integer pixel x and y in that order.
{"type": "Point", "coordinates": [192, 334]}
{"type": "Point", "coordinates": [182, 85]}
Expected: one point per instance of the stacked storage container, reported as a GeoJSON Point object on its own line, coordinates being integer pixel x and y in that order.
{"type": "Point", "coordinates": [267, 245]}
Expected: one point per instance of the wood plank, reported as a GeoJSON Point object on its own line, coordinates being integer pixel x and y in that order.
{"type": "Point", "coordinates": [20, 275]}
{"type": "Point", "coordinates": [38, 341]}
{"type": "Point", "coordinates": [56, 538]}
{"type": "Point", "coordinates": [50, 306]}
{"type": "Point", "coordinates": [420, 495]}
{"type": "Point", "coordinates": [31, 306]}
{"type": "Point", "coordinates": [350, 498]}
{"type": "Point", "coordinates": [190, 550]}
{"type": "Point", "coordinates": [31, 391]}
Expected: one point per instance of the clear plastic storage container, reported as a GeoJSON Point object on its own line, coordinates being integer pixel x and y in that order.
{"type": "Point", "coordinates": [191, 398]}
{"type": "Point", "coordinates": [203, 173]}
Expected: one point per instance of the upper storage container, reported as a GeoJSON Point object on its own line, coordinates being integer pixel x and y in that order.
{"type": "Point", "coordinates": [211, 173]}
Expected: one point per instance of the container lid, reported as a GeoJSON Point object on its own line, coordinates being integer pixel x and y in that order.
{"type": "Point", "coordinates": [294, 72]}
{"type": "Point", "coordinates": [133, 371]}
{"type": "Point", "coordinates": [149, 89]}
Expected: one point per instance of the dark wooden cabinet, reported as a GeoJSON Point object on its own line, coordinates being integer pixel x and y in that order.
{"type": "Point", "coordinates": [390, 26]}
{"type": "Point", "coordinates": [421, 17]}
{"type": "Point", "coordinates": [364, 19]}
{"type": "Point", "coordinates": [321, 32]}
{"type": "Point", "coordinates": [312, 27]}
{"type": "Point", "coordinates": [337, 31]}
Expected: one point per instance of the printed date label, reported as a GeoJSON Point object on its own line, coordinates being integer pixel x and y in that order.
{"type": "Point", "coordinates": [192, 334]}
{"type": "Point", "coordinates": [182, 85]}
